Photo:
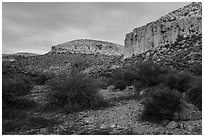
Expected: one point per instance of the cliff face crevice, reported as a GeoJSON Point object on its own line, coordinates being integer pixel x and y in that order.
{"type": "Point", "coordinates": [183, 22]}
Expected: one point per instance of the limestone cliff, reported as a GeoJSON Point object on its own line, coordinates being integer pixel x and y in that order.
{"type": "Point", "coordinates": [89, 47]}
{"type": "Point", "coordinates": [183, 22]}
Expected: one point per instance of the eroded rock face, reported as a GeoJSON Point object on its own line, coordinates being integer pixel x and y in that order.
{"type": "Point", "coordinates": [183, 22]}
{"type": "Point", "coordinates": [88, 47]}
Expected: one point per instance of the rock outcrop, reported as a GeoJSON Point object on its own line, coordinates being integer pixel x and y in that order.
{"type": "Point", "coordinates": [184, 54]}
{"type": "Point", "coordinates": [183, 22]}
{"type": "Point", "coordinates": [88, 46]}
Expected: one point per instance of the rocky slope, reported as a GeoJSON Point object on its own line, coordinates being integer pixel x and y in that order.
{"type": "Point", "coordinates": [89, 47]}
{"type": "Point", "coordinates": [184, 22]}
{"type": "Point", "coordinates": [183, 54]}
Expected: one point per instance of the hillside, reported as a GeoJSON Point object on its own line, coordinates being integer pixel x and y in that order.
{"type": "Point", "coordinates": [185, 21]}
{"type": "Point", "coordinates": [150, 86]}
{"type": "Point", "coordinates": [12, 57]}
{"type": "Point", "coordinates": [88, 46]}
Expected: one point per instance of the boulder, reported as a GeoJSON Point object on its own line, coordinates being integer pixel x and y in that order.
{"type": "Point", "coordinates": [110, 88]}
{"type": "Point", "coordinates": [172, 125]}
{"type": "Point", "coordinates": [143, 92]}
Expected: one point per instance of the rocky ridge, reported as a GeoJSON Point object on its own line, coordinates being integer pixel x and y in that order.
{"type": "Point", "coordinates": [88, 46]}
{"type": "Point", "coordinates": [183, 54]}
{"type": "Point", "coordinates": [184, 22]}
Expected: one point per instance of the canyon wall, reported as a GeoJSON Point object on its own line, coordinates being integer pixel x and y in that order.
{"type": "Point", "coordinates": [183, 22]}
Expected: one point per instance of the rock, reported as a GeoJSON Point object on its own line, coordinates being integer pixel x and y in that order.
{"type": "Point", "coordinates": [143, 92]}
{"type": "Point", "coordinates": [189, 127]}
{"type": "Point", "coordinates": [130, 89]}
{"type": "Point", "coordinates": [172, 125]}
{"type": "Point", "coordinates": [103, 126]}
{"type": "Point", "coordinates": [88, 46]}
{"type": "Point", "coordinates": [110, 88]}
{"type": "Point", "coordinates": [189, 111]}
{"type": "Point", "coordinates": [167, 29]}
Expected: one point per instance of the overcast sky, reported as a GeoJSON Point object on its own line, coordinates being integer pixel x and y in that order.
{"type": "Point", "coordinates": [35, 27]}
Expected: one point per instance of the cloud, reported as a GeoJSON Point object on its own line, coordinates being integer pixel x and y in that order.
{"type": "Point", "coordinates": [35, 27]}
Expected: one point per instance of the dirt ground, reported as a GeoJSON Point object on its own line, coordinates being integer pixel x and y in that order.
{"type": "Point", "coordinates": [120, 118]}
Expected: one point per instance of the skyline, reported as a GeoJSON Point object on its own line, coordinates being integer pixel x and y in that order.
{"type": "Point", "coordinates": [35, 27]}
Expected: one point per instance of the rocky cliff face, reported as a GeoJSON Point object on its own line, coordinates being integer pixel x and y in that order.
{"type": "Point", "coordinates": [88, 47]}
{"type": "Point", "coordinates": [183, 22]}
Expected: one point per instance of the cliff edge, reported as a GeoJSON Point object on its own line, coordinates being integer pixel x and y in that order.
{"type": "Point", "coordinates": [183, 22]}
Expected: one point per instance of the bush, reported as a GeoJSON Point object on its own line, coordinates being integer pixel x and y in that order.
{"type": "Point", "coordinates": [151, 74]}
{"type": "Point", "coordinates": [40, 78]}
{"type": "Point", "coordinates": [145, 73]}
{"type": "Point", "coordinates": [15, 85]}
{"type": "Point", "coordinates": [75, 92]}
{"type": "Point", "coordinates": [19, 103]}
{"type": "Point", "coordinates": [161, 103]}
{"type": "Point", "coordinates": [196, 68]}
{"type": "Point", "coordinates": [179, 81]}
{"type": "Point", "coordinates": [118, 80]}
{"type": "Point", "coordinates": [120, 84]}
{"type": "Point", "coordinates": [195, 94]}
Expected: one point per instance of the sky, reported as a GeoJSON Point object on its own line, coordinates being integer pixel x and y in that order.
{"type": "Point", "coordinates": [35, 27]}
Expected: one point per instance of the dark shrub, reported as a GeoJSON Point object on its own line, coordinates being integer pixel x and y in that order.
{"type": "Point", "coordinates": [40, 78]}
{"type": "Point", "coordinates": [140, 74]}
{"type": "Point", "coordinates": [117, 79]}
{"type": "Point", "coordinates": [151, 74]}
{"type": "Point", "coordinates": [15, 85]}
{"type": "Point", "coordinates": [196, 68]}
{"type": "Point", "coordinates": [161, 103]}
{"type": "Point", "coordinates": [195, 93]}
{"type": "Point", "coordinates": [179, 81]}
{"type": "Point", "coordinates": [138, 85]}
{"type": "Point", "coordinates": [75, 92]}
{"type": "Point", "coordinates": [19, 103]}
{"type": "Point", "coordinates": [120, 84]}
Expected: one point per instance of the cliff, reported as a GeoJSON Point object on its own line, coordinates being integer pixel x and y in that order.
{"type": "Point", "coordinates": [183, 22]}
{"type": "Point", "coordinates": [88, 46]}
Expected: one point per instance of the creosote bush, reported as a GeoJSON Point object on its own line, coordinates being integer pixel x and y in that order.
{"type": "Point", "coordinates": [180, 81]}
{"type": "Point", "coordinates": [16, 85]}
{"type": "Point", "coordinates": [161, 103]}
{"type": "Point", "coordinates": [151, 74]}
{"type": "Point", "coordinates": [195, 93]}
{"type": "Point", "coordinates": [146, 73]}
{"type": "Point", "coordinates": [75, 92]}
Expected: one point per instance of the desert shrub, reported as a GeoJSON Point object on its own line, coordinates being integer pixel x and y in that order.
{"type": "Point", "coordinates": [15, 85]}
{"type": "Point", "coordinates": [195, 93]}
{"type": "Point", "coordinates": [75, 92]}
{"type": "Point", "coordinates": [18, 103]}
{"type": "Point", "coordinates": [196, 69]}
{"type": "Point", "coordinates": [151, 74]}
{"type": "Point", "coordinates": [161, 103]}
{"type": "Point", "coordinates": [138, 85]}
{"type": "Point", "coordinates": [120, 84]}
{"type": "Point", "coordinates": [40, 78]}
{"type": "Point", "coordinates": [140, 74]}
{"type": "Point", "coordinates": [180, 81]}
{"type": "Point", "coordinates": [117, 79]}
{"type": "Point", "coordinates": [130, 75]}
